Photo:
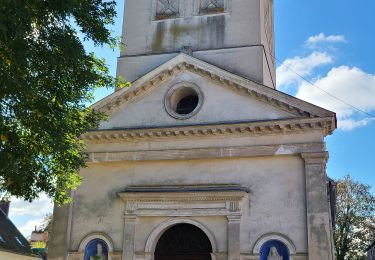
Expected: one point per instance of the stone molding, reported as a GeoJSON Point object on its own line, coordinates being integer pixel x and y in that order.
{"type": "Point", "coordinates": [297, 256]}
{"type": "Point", "coordinates": [200, 153]}
{"type": "Point", "coordinates": [224, 78]}
{"type": "Point", "coordinates": [183, 196]}
{"type": "Point", "coordinates": [175, 88]}
{"type": "Point", "coordinates": [180, 206]}
{"type": "Point", "coordinates": [78, 255]}
{"type": "Point", "coordinates": [75, 255]}
{"type": "Point", "coordinates": [274, 236]}
{"type": "Point", "coordinates": [149, 256]}
{"type": "Point", "coordinates": [156, 233]}
{"type": "Point", "coordinates": [315, 158]}
{"type": "Point", "coordinates": [115, 255]}
{"type": "Point", "coordinates": [174, 204]}
{"type": "Point", "coordinates": [95, 235]}
{"type": "Point", "coordinates": [248, 128]}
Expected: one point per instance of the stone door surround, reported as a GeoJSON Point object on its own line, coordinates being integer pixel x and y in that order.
{"type": "Point", "coordinates": [181, 204]}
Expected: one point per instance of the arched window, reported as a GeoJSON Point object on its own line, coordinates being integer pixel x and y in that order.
{"type": "Point", "coordinates": [96, 249]}
{"type": "Point", "coordinates": [274, 249]}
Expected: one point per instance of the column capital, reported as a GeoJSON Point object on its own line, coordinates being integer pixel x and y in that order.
{"type": "Point", "coordinates": [130, 218]}
{"type": "Point", "coordinates": [234, 218]}
{"type": "Point", "coordinates": [315, 158]}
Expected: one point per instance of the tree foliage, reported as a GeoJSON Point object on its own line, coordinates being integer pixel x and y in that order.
{"type": "Point", "coordinates": [46, 225]}
{"type": "Point", "coordinates": [46, 81]}
{"type": "Point", "coordinates": [355, 219]}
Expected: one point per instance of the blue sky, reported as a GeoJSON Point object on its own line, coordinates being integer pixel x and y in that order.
{"type": "Point", "coordinates": [353, 150]}
{"type": "Point", "coordinates": [331, 44]}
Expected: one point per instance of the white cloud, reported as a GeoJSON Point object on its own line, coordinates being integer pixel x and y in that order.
{"type": "Point", "coordinates": [349, 84]}
{"type": "Point", "coordinates": [39, 207]}
{"type": "Point", "coordinates": [303, 66]}
{"type": "Point", "coordinates": [350, 124]}
{"type": "Point", "coordinates": [29, 226]}
{"type": "Point", "coordinates": [313, 41]}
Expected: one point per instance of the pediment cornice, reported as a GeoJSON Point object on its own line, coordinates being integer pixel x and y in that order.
{"type": "Point", "coordinates": [181, 63]}
{"type": "Point", "coordinates": [326, 125]}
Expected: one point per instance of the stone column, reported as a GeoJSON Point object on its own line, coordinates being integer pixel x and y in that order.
{"type": "Point", "coordinates": [318, 219]}
{"type": "Point", "coordinates": [234, 237]}
{"type": "Point", "coordinates": [59, 241]}
{"type": "Point", "coordinates": [129, 234]}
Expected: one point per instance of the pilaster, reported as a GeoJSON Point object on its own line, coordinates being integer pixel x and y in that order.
{"type": "Point", "coordinates": [234, 237]}
{"type": "Point", "coordinates": [318, 220]}
{"type": "Point", "coordinates": [129, 236]}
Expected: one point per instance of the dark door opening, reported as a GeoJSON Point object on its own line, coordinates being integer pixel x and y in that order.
{"type": "Point", "coordinates": [183, 242]}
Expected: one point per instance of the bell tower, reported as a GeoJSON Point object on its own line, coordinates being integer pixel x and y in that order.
{"type": "Point", "coordinates": [235, 35]}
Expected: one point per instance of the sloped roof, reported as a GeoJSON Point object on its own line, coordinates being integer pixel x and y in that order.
{"type": "Point", "coordinates": [11, 239]}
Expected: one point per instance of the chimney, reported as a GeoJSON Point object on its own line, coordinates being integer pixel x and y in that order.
{"type": "Point", "coordinates": [4, 206]}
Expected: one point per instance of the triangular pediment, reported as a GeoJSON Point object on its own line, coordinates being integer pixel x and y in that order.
{"type": "Point", "coordinates": [224, 98]}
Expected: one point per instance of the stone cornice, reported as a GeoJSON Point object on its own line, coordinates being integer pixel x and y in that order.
{"type": "Point", "coordinates": [209, 192]}
{"type": "Point", "coordinates": [183, 62]}
{"type": "Point", "coordinates": [205, 153]}
{"type": "Point", "coordinates": [315, 158]}
{"type": "Point", "coordinates": [251, 128]}
{"type": "Point", "coordinates": [201, 202]}
{"type": "Point", "coordinates": [152, 197]}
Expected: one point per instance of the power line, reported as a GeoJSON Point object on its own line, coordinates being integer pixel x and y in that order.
{"type": "Point", "coordinates": [324, 91]}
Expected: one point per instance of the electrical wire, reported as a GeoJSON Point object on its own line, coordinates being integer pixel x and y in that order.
{"type": "Point", "coordinates": [324, 91]}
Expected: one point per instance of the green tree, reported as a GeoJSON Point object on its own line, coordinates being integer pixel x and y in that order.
{"type": "Point", "coordinates": [355, 219]}
{"type": "Point", "coordinates": [46, 224]}
{"type": "Point", "coordinates": [46, 81]}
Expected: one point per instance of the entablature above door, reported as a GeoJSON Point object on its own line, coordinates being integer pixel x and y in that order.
{"type": "Point", "coordinates": [183, 200]}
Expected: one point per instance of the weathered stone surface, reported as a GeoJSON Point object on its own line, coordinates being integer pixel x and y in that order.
{"type": "Point", "coordinates": [318, 222]}
{"type": "Point", "coordinates": [217, 38]}
{"type": "Point", "coordinates": [59, 238]}
{"type": "Point", "coordinates": [246, 168]}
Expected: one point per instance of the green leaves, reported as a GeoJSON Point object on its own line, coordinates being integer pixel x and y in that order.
{"type": "Point", "coordinates": [355, 219]}
{"type": "Point", "coordinates": [46, 80]}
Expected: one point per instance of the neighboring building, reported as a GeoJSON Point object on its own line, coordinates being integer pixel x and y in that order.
{"type": "Point", "coordinates": [38, 241]}
{"type": "Point", "coordinates": [13, 245]}
{"type": "Point", "coordinates": [201, 158]}
{"type": "Point", "coordinates": [39, 236]}
{"type": "Point", "coordinates": [371, 252]}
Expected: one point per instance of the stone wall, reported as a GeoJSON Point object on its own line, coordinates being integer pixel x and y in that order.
{"type": "Point", "coordinates": [240, 39]}
{"type": "Point", "coordinates": [371, 252]}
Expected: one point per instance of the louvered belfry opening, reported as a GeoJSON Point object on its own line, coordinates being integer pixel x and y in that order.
{"type": "Point", "coordinates": [183, 242]}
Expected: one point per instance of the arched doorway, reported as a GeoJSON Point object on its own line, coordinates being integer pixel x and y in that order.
{"type": "Point", "coordinates": [183, 242]}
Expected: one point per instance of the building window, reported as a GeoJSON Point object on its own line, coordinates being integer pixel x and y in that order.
{"type": "Point", "coordinates": [167, 9]}
{"type": "Point", "coordinates": [211, 7]}
{"type": "Point", "coordinates": [183, 100]}
{"type": "Point", "coordinates": [2, 239]}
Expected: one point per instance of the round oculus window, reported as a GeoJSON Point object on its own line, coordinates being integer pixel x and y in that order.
{"type": "Point", "coordinates": [183, 100]}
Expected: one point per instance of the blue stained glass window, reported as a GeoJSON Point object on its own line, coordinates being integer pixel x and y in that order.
{"type": "Point", "coordinates": [280, 246]}
{"type": "Point", "coordinates": [93, 248]}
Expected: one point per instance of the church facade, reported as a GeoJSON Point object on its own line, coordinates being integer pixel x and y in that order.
{"type": "Point", "coordinates": [201, 158]}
